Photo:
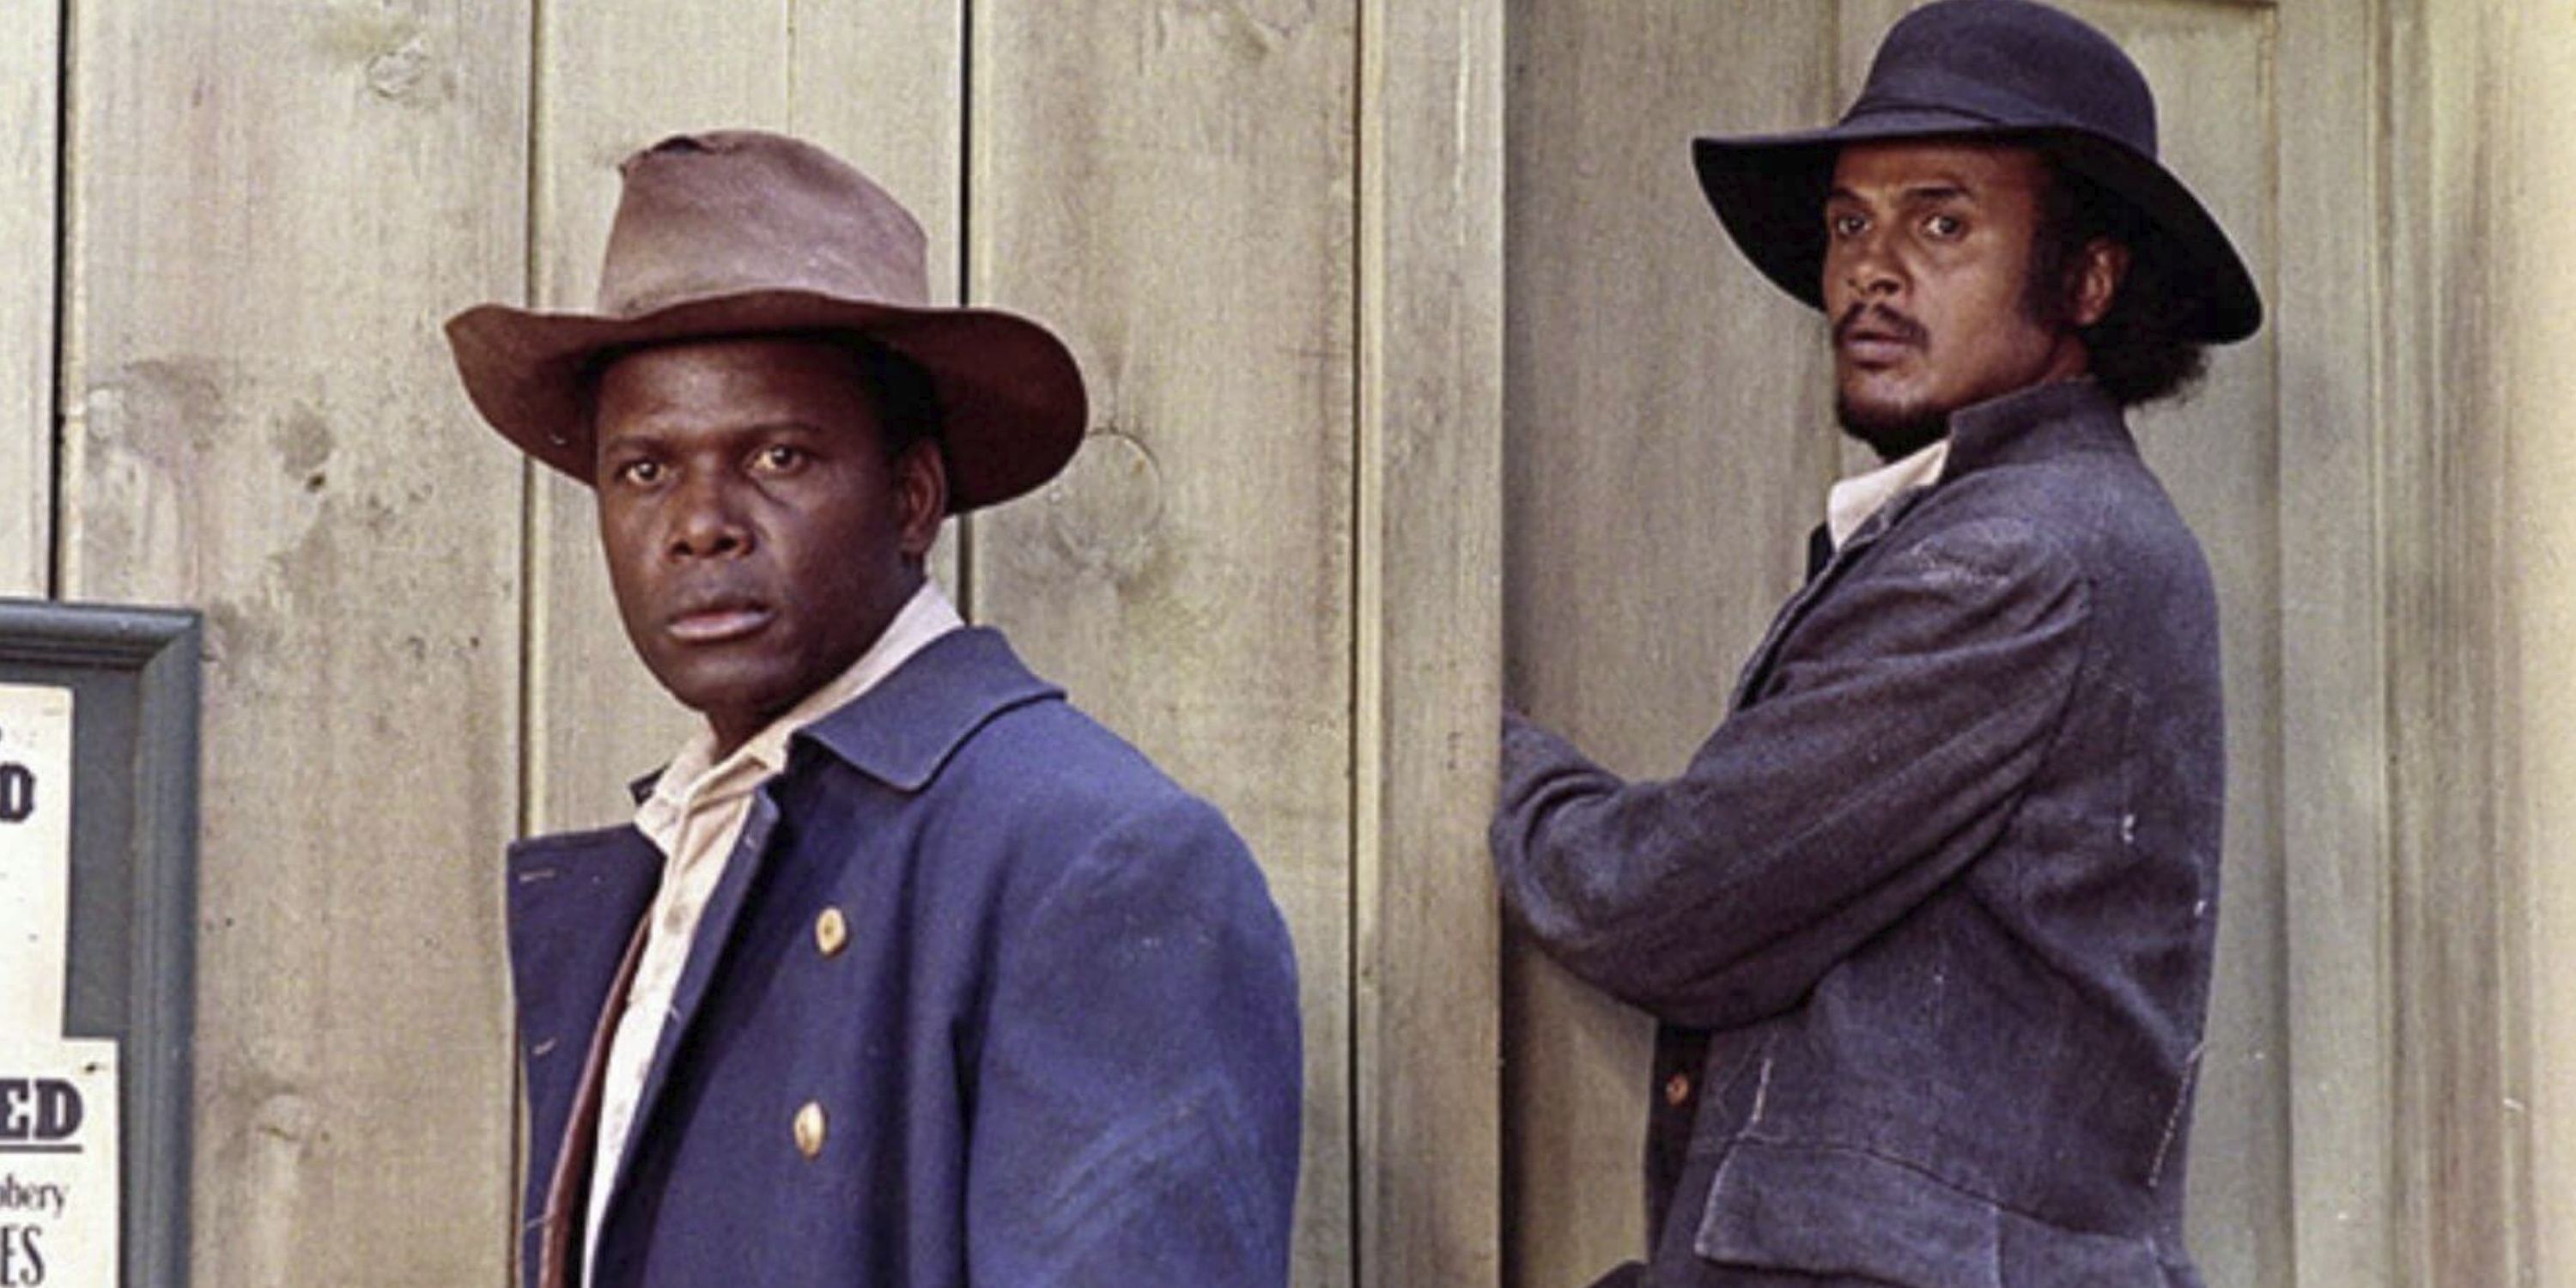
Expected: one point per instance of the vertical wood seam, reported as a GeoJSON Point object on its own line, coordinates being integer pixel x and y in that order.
{"type": "Point", "coordinates": [531, 522]}
{"type": "Point", "coordinates": [50, 529]}
{"type": "Point", "coordinates": [1368, 626]}
{"type": "Point", "coordinates": [1433, 471]}
{"type": "Point", "coordinates": [2385, 387]}
{"type": "Point", "coordinates": [70, 409]}
{"type": "Point", "coordinates": [965, 523]}
{"type": "Point", "coordinates": [2379, 65]}
{"type": "Point", "coordinates": [2510, 895]}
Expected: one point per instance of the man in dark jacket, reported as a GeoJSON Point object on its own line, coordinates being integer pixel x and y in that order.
{"type": "Point", "coordinates": [907, 975]}
{"type": "Point", "coordinates": [1927, 920]}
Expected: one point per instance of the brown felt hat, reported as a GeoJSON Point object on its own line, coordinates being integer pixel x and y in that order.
{"type": "Point", "coordinates": [739, 233]}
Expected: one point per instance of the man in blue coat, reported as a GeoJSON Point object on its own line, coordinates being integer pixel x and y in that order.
{"type": "Point", "coordinates": [1927, 920]}
{"type": "Point", "coordinates": [907, 975]}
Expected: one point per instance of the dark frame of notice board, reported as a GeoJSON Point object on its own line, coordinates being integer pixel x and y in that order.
{"type": "Point", "coordinates": [134, 675]}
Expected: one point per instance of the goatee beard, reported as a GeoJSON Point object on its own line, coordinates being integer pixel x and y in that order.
{"type": "Point", "coordinates": [1894, 433]}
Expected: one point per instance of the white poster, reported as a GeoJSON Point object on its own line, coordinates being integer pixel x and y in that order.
{"type": "Point", "coordinates": [59, 1206]}
{"type": "Point", "coordinates": [35, 860]}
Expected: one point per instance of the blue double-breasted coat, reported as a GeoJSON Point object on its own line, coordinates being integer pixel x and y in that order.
{"type": "Point", "coordinates": [1052, 1038]}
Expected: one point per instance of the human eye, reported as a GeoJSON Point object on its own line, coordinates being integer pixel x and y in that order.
{"type": "Point", "coordinates": [778, 458]}
{"type": "Point", "coordinates": [1943, 226]}
{"type": "Point", "coordinates": [640, 471]}
{"type": "Point", "coordinates": [1843, 223]}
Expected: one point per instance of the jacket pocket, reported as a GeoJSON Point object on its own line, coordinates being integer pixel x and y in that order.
{"type": "Point", "coordinates": [1825, 1210]}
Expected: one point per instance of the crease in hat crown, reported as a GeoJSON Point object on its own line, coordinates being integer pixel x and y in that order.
{"type": "Point", "coordinates": [736, 233]}
{"type": "Point", "coordinates": [717, 213]}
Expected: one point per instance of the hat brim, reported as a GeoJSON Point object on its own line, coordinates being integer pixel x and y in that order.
{"type": "Point", "coordinates": [1012, 407]}
{"type": "Point", "coordinates": [1769, 191]}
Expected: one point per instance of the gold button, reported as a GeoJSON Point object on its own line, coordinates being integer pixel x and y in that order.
{"type": "Point", "coordinates": [809, 1130]}
{"type": "Point", "coordinates": [1677, 1089]}
{"type": "Point", "coordinates": [831, 932]}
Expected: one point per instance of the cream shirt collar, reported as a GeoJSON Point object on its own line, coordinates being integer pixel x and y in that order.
{"type": "Point", "coordinates": [694, 773]}
{"type": "Point", "coordinates": [1851, 501]}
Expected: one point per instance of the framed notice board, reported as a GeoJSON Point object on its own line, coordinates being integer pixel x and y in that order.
{"type": "Point", "coordinates": [98, 892]}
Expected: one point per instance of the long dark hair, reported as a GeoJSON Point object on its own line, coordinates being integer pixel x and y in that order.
{"type": "Point", "coordinates": [2137, 351]}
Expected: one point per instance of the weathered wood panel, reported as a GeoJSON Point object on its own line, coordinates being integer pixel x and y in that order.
{"type": "Point", "coordinates": [1429, 674]}
{"type": "Point", "coordinates": [1172, 186]}
{"type": "Point", "coordinates": [271, 206]}
{"type": "Point", "coordinates": [2458, 1023]}
{"type": "Point", "coordinates": [2334, 733]}
{"type": "Point", "coordinates": [880, 85]}
{"type": "Point", "coordinates": [1669, 441]}
{"type": "Point", "coordinates": [2536, 267]}
{"type": "Point", "coordinates": [30, 88]}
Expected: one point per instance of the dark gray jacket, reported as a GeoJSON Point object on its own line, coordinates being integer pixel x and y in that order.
{"type": "Point", "coordinates": [1927, 921]}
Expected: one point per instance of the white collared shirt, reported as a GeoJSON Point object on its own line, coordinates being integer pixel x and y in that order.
{"type": "Point", "coordinates": [1851, 501]}
{"type": "Point", "coordinates": [694, 816]}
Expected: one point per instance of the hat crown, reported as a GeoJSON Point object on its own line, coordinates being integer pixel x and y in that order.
{"type": "Point", "coordinates": [2013, 64]}
{"type": "Point", "coordinates": [722, 213]}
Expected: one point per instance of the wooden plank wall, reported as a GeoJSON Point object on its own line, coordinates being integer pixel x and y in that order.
{"type": "Point", "coordinates": [30, 90]}
{"type": "Point", "coordinates": [2534, 269]}
{"type": "Point", "coordinates": [1318, 511]}
{"type": "Point", "coordinates": [2464, 408]}
{"type": "Point", "coordinates": [1669, 435]}
{"type": "Point", "coordinates": [1270, 228]}
{"type": "Point", "coordinates": [270, 207]}
{"type": "Point", "coordinates": [1429, 679]}
{"type": "Point", "coordinates": [2335, 734]}
{"type": "Point", "coordinates": [1171, 186]}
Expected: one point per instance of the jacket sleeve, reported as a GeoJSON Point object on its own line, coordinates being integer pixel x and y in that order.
{"type": "Point", "coordinates": [1136, 1109]}
{"type": "Point", "coordinates": [1900, 725]}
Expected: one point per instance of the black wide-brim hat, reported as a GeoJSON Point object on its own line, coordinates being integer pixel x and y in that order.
{"type": "Point", "coordinates": [1990, 70]}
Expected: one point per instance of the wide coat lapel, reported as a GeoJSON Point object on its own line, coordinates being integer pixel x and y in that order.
{"type": "Point", "coordinates": [1757, 670]}
{"type": "Point", "coordinates": [575, 902]}
{"type": "Point", "coordinates": [715, 931]}
{"type": "Point", "coordinates": [899, 732]}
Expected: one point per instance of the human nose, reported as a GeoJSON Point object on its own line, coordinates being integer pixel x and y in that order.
{"type": "Point", "coordinates": [706, 519]}
{"type": "Point", "coordinates": [1868, 264]}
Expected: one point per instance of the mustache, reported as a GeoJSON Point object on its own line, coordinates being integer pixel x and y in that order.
{"type": "Point", "coordinates": [1883, 319]}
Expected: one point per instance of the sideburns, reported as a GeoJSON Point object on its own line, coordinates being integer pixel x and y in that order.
{"type": "Point", "coordinates": [2060, 250]}
{"type": "Point", "coordinates": [2054, 274]}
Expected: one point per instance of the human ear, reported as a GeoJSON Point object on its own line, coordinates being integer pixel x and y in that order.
{"type": "Point", "coordinates": [2098, 275]}
{"type": "Point", "coordinates": [920, 496]}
